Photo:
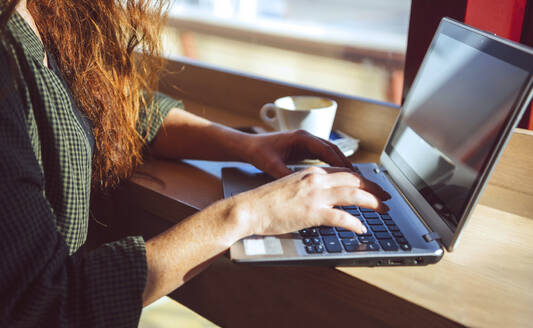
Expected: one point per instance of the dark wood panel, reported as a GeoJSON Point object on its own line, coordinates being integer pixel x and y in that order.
{"type": "Point", "coordinates": [244, 95]}
{"type": "Point", "coordinates": [233, 295]}
{"type": "Point", "coordinates": [424, 20]}
{"type": "Point", "coordinates": [527, 38]}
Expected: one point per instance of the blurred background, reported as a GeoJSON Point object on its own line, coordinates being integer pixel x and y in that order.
{"type": "Point", "coordinates": [354, 47]}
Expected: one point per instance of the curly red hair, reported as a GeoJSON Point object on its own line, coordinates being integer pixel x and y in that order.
{"type": "Point", "coordinates": [109, 54]}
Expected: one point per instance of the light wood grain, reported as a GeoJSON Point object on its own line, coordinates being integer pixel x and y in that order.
{"type": "Point", "coordinates": [511, 184]}
{"type": "Point", "coordinates": [486, 282]}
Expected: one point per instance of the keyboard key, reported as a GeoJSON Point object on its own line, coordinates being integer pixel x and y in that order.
{"type": "Point", "coordinates": [352, 241]}
{"type": "Point", "coordinates": [313, 232]}
{"type": "Point", "coordinates": [386, 217]}
{"type": "Point", "coordinates": [341, 229]}
{"type": "Point", "coordinates": [353, 212]}
{"type": "Point", "coordinates": [351, 207]}
{"type": "Point", "coordinates": [388, 222]}
{"type": "Point", "coordinates": [346, 234]}
{"type": "Point", "coordinates": [401, 240]}
{"type": "Point", "coordinates": [374, 221]}
{"type": "Point", "coordinates": [372, 215]}
{"type": "Point", "coordinates": [366, 210]}
{"type": "Point", "coordinates": [383, 235]}
{"type": "Point", "coordinates": [369, 247]}
{"type": "Point", "coordinates": [367, 239]}
{"type": "Point", "coordinates": [351, 248]}
{"type": "Point", "coordinates": [310, 249]}
{"type": "Point", "coordinates": [367, 233]}
{"type": "Point", "coordinates": [405, 247]}
{"type": "Point", "coordinates": [315, 240]}
{"type": "Point", "coordinates": [332, 244]}
{"type": "Point", "coordinates": [378, 228]}
{"type": "Point", "coordinates": [326, 231]}
{"type": "Point", "coordinates": [319, 248]}
{"type": "Point", "coordinates": [307, 241]}
{"type": "Point", "coordinates": [350, 245]}
{"type": "Point", "coordinates": [397, 234]}
{"type": "Point", "coordinates": [394, 228]}
{"type": "Point", "coordinates": [388, 245]}
{"type": "Point", "coordinates": [304, 232]}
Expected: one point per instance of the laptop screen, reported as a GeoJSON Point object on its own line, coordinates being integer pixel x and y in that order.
{"type": "Point", "coordinates": [463, 96]}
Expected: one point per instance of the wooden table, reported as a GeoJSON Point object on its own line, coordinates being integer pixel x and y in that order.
{"type": "Point", "coordinates": [486, 281]}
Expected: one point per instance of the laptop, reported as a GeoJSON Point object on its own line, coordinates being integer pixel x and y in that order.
{"type": "Point", "coordinates": [468, 96]}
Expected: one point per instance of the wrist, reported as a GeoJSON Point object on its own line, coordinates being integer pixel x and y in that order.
{"type": "Point", "coordinates": [235, 220]}
{"type": "Point", "coordinates": [243, 146]}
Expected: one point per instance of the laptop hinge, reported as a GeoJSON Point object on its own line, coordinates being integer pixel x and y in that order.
{"type": "Point", "coordinates": [431, 236]}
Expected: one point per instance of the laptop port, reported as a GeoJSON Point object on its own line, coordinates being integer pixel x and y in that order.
{"type": "Point", "coordinates": [419, 260]}
{"type": "Point", "coordinates": [396, 262]}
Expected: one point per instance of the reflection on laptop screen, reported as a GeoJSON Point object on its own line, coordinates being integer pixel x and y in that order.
{"type": "Point", "coordinates": [454, 113]}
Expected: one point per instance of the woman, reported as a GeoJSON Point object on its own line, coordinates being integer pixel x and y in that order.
{"type": "Point", "coordinates": [75, 108]}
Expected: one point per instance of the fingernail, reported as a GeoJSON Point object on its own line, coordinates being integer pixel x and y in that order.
{"type": "Point", "coordinates": [363, 228]}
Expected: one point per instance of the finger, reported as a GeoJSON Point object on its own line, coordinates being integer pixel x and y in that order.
{"type": "Point", "coordinates": [335, 169]}
{"type": "Point", "coordinates": [276, 168]}
{"type": "Point", "coordinates": [345, 160]}
{"type": "Point", "coordinates": [355, 196]}
{"type": "Point", "coordinates": [338, 177]}
{"type": "Point", "coordinates": [375, 189]}
{"type": "Point", "coordinates": [318, 148]}
{"type": "Point", "coordinates": [338, 218]}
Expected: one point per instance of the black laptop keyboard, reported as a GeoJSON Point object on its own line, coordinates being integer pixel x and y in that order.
{"type": "Point", "coordinates": [382, 233]}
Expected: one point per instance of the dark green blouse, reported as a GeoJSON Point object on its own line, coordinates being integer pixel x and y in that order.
{"type": "Point", "coordinates": [45, 183]}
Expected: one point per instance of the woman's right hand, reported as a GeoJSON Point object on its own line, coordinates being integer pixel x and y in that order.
{"type": "Point", "coordinates": [307, 199]}
{"type": "Point", "coordinates": [300, 200]}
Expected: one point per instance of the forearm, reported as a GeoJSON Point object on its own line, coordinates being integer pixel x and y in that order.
{"type": "Point", "coordinates": [185, 135]}
{"type": "Point", "coordinates": [179, 253]}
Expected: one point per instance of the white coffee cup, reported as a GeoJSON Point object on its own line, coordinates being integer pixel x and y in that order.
{"type": "Point", "coordinates": [310, 113]}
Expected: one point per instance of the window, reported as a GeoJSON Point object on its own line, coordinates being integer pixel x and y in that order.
{"type": "Point", "coordinates": [354, 47]}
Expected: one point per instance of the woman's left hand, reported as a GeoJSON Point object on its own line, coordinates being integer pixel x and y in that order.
{"type": "Point", "coordinates": [272, 151]}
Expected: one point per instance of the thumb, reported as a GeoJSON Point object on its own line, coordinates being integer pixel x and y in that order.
{"type": "Point", "coordinates": [276, 168]}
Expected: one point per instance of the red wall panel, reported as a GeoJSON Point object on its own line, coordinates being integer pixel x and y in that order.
{"type": "Point", "coordinates": [503, 17]}
{"type": "Point", "coordinates": [511, 19]}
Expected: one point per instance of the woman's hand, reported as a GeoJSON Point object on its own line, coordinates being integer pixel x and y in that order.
{"type": "Point", "coordinates": [307, 199]}
{"type": "Point", "coordinates": [270, 152]}
{"type": "Point", "coordinates": [300, 200]}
